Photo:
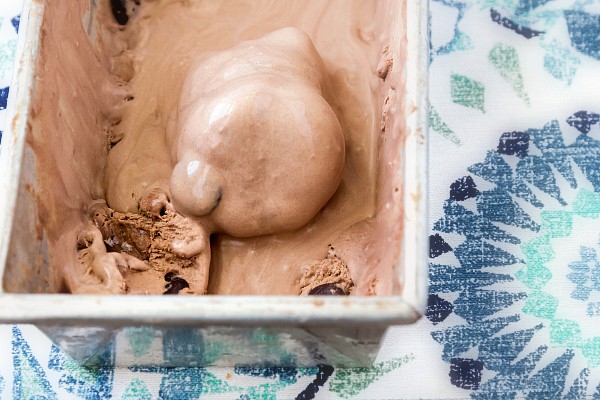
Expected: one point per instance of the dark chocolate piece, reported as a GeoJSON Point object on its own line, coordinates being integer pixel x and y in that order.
{"type": "Point", "coordinates": [119, 11]}
{"type": "Point", "coordinates": [328, 289]}
{"type": "Point", "coordinates": [177, 284]}
{"type": "Point", "coordinates": [169, 276]}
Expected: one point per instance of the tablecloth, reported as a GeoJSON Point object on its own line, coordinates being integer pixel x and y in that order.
{"type": "Point", "coordinates": [514, 303]}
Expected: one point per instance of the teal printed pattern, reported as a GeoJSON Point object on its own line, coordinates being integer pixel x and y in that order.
{"type": "Point", "coordinates": [480, 298]}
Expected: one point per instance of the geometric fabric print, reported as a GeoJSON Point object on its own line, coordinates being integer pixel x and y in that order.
{"type": "Point", "coordinates": [537, 171]}
{"type": "Point", "coordinates": [585, 151]}
{"type": "Point", "coordinates": [499, 351]}
{"type": "Point", "coordinates": [348, 382]}
{"type": "Point", "coordinates": [514, 143]}
{"type": "Point", "coordinates": [3, 97]}
{"type": "Point", "coordinates": [190, 383]}
{"type": "Point", "coordinates": [137, 390]}
{"type": "Point", "coordinates": [459, 339]}
{"type": "Point", "coordinates": [512, 378]}
{"type": "Point", "coordinates": [93, 383]}
{"type": "Point", "coordinates": [438, 309]}
{"type": "Point", "coordinates": [496, 170]}
{"type": "Point", "coordinates": [583, 31]}
{"type": "Point", "coordinates": [15, 22]}
{"type": "Point", "coordinates": [460, 41]}
{"type": "Point", "coordinates": [458, 219]}
{"type": "Point", "coordinates": [438, 125]}
{"type": "Point", "coordinates": [467, 92]}
{"type": "Point", "coordinates": [29, 378]}
{"type": "Point", "coordinates": [549, 262]}
{"type": "Point", "coordinates": [524, 31]}
{"type": "Point", "coordinates": [463, 189]}
{"type": "Point", "coordinates": [585, 275]}
{"type": "Point", "coordinates": [323, 374]}
{"type": "Point", "coordinates": [438, 246]}
{"type": "Point", "coordinates": [140, 340]}
{"type": "Point", "coordinates": [479, 304]}
{"type": "Point", "coordinates": [560, 63]}
{"type": "Point", "coordinates": [526, 6]}
{"type": "Point", "coordinates": [465, 373]}
{"type": "Point", "coordinates": [549, 140]}
{"type": "Point", "coordinates": [579, 386]}
{"type": "Point", "coordinates": [583, 121]}
{"type": "Point", "coordinates": [7, 55]}
{"type": "Point", "coordinates": [506, 61]}
{"type": "Point", "coordinates": [477, 254]}
{"type": "Point", "coordinates": [549, 382]}
{"type": "Point", "coordinates": [497, 205]}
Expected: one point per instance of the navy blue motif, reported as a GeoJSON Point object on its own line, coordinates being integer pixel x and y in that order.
{"type": "Point", "coordinates": [513, 26]}
{"type": "Point", "coordinates": [463, 189]}
{"type": "Point", "coordinates": [3, 97]}
{"type": "Point", "coordinates": [438, 246]}
{"type": "Point", "coordinates": [15, 22]}
{"type": "Point", "coordinates": [583, 121]}
{"type": "Point", "coordinates": [465, 373]}
{"type": "Point", "coordinates": [438, 309]}
{"type": "Point", "coordinates": [514, 143]}
{"type": "Point", "coordinates": [323, 373]}
{"type": "Point", "coordinates": [281, 373]}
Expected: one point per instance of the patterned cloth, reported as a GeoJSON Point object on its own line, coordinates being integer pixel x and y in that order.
{"type": "Point", "coordinates": [514, 304]}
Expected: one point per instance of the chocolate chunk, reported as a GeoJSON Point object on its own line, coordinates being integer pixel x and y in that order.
{"type": "Point", "coordinates": [119, 11]}
{"type": "Point", "coordinates": [328, 289]}
{"type": "Point", "coordinates": [177, 284]}
{"type": "Point", "coordinates": [169, 276]}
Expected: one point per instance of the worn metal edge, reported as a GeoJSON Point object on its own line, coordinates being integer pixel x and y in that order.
{"type": "Point", "coordinates": [415, 244]}
{"type": "Point", "coordinates": [116, 310]}
{"type": "Point", "coordinates": [17, 116]}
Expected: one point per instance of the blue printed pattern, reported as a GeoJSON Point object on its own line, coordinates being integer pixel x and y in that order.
{"type": "Point", "coordinates": [7, 50]}
{"type": "Point", "coordinates": [535, 19]}
{"type": "Point", "coordinates": [478, 287]}
{"type": "Point", "coordinates": [586, 277]}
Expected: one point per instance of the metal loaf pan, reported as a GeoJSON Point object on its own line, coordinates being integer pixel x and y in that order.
{"type": "Point", "coordinates": [208, 330]}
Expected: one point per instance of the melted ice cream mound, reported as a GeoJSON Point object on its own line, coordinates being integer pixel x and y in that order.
{"type": "Point", "coordinates": [258, 149]}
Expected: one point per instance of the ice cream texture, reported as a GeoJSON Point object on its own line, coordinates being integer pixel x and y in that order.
{"type": "Point", "coordinates": [244, 141]}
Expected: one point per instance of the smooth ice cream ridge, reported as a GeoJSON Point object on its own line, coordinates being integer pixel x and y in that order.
{"type": "Point", "coordinates": [257, 151]}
